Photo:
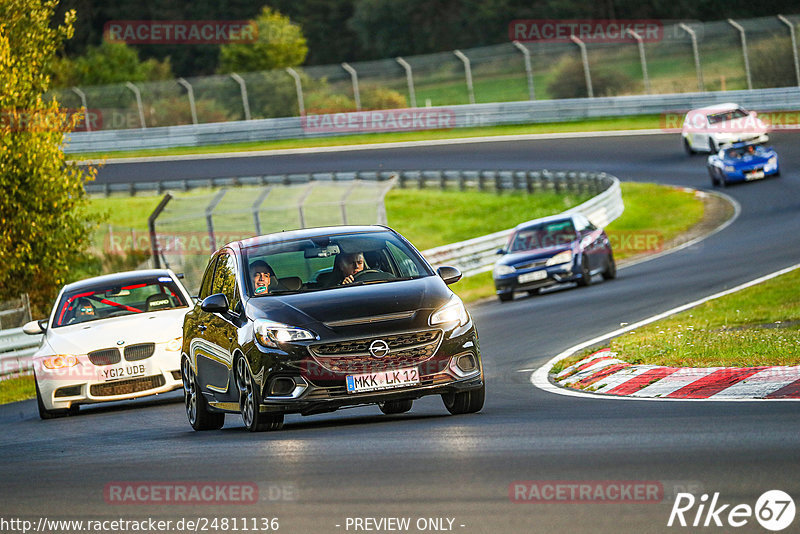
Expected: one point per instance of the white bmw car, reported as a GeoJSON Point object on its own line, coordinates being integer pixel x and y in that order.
{"type": "Point", "coordinates": [707, 129]}
{"type": "Point", "coordinates": [110, 338]}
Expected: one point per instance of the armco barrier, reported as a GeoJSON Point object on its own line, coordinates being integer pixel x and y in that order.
{"type": "Point", "coordinates": [479, 254]}
{"type": "Point", "coordinates": [16, 349]}
{"type": "Point", "coordinates": [524, 112]}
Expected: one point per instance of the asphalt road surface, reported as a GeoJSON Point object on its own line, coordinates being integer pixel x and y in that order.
{"type": "Point", "coordinates": [338, 472]}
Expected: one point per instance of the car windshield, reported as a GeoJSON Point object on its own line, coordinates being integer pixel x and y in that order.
{"type": "Point", "coordinates": [544, 235]}
{"type": "Point", "coordinates": [715, 118]}
{"type": "Point", "coordinates": [112, 299]}
{"type": "Point", "coordinates": [329, 262]}
{"type": "Point", "coordinates": [743, 152]}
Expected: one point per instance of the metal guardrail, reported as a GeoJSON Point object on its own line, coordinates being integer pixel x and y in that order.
{"type": "Point", "coordinates": [479, 254]}
{"type": "Point", "coordinates": [16, 349]}
{"type": "Point", "coordinates": [524, 112]}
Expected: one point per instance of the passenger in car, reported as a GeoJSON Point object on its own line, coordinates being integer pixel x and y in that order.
{"type": "Point", "coordinates": [262, 275]}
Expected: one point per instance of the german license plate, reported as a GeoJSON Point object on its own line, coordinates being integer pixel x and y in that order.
{"type": "Point", "coordinates": [532, 277]}
{"type": "Point", "coordinates": [123, 371]}
{"type": "Point", "coordinates": [755, 175]}
{"type": "Point", "coordinates": [397, 378]}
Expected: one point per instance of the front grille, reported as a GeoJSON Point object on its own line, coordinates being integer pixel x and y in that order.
{"type": "Point", "coordinates": [139, 352]}
{"type": "Point", "coordinates": [531, 265]}
{"type": "Point", "coordinates": [352, 356]}
{"type": "Point", "coordinates": [124, 387]}
{"type": "Point", "coordinates": [104, 356]}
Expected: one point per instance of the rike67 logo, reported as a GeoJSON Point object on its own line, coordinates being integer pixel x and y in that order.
{"type": "Point", "coordinates": [774, 510]}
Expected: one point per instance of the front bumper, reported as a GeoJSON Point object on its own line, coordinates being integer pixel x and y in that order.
{"type": "Point", "coordinates": [556, 274]}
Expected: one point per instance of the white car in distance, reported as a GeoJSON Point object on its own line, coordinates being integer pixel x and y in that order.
{"type": "Point", "coordinates": [110, 338]}
{"type": "Point", "coordinates": [707, 129]}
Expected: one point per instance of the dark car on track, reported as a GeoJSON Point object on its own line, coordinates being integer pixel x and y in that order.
{"type": "Point", "coordinates": [310, 343]}
{"type": "Point", "coordinates": [742, 162]}
{"type": "Point", "coordinates": [552, 250]}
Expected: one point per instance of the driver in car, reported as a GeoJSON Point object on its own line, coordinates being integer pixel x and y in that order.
{"type": "Point", "coordinates": [346, 267]}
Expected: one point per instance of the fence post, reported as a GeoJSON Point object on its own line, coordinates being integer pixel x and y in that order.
{"type": "Point", "coordinates": [744, 51]}
{"type": "Point", "coordinates": [210, 217]}
{"type": "Point", "coordinates": [343, 200]}
{"type": "Point", "coordinates": [526, 54]}
{"type": "Point", "coordinates": [243, 89]}
{"type": "Point", "coordinates": [299, 88]}
{"type": "Point", "coordinates": [585, 59]}
{"type": "Point", "coordinates": [410, 79]}
{"type": "Point", "coordinates": [138, 95]}
{"type": "Point", "coordinates": [794, 46]}
{"type": "Point", "coordinates": [82, 96]}
{"type": "Point", "coordinates": [192, 106]}
{"type": "Point", "coordinates": [640, 43]}
{"type": "Point", "coordinates": [302, 201]}
{"type": "Point", "coordinates": [257, 207]}
{"type": "Point", "coordinates": [696, 53]}
{"type": "Point", "coordinates": [354, 77]}
{"type": "Point", "coordinates": [467, 73]}
{"type": "Point", "coordinates": [151, 225]}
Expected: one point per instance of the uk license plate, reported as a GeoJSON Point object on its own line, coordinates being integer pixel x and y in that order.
{"type": "Point", "coordinates": [532, 277]}
{"type": "Point", "coordinates": [755, 175]}
{"type": "Point", "coordinates": [123, 371]}
{"type": "Point", "coordinates": [396, 378]}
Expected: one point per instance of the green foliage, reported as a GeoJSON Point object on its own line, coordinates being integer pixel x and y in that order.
{"type": "Point", "coordinates": [569, 80]}
{"type": "Point", "coordinates": [43, 223]}
{"type": "Point", "coordinates": [108, 63]}
{"type": "Point", "coordinates": [279, 44]}
{"type": "Point", "coordinates": [772, 63]}
{"type": "Point", "coordinates": [376, 97]}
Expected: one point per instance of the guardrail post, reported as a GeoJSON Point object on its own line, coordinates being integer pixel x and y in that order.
{"type": "Point", "coordinates": [192, 106]}
{"type": "Point", "coordinates": [696, 53]}
{"type": "Point", "coordinates": [302, 201]}
{"type": "Point", "coordinates": [794, 46]}
{"type": "Point", "coordinates": [410, 80]}
{"type": "Point", "coordinates": [526, 54]}
{"type": "Point", "coordinates": [343, 200]}
{"type": "Point", "coordinates": [585, 58]}
{"type": "Point", "coordinates": [354, 77]}
{"type": "Point", "coordinates": [243, 90]}
{"type": "Point", "coordinates": [640, 43]}
{"type": "Point", "coordinates": [82, 96]}
{"type": "Point", "coordinates": [210, 217]}
{"type": "Point", "coordinates": [257, 207]}
{"type": "Point", "coordinates": [467, 74]}
{"type": "Point", "coordinates": [138, 95]}
{"type": "Point", "coordinates": [299, 89]}
{"type": "Point", "coordinates": [743, 38]}
{"type": "Point", "coordinates": [151, 225]}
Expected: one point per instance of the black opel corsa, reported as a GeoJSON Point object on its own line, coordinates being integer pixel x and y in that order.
{"type": "Point", "coordinates": [282, 326]}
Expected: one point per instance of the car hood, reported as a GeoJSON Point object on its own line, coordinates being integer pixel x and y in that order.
{"type": "Point", "coordinates": [527, 256]}
{"type": "Point", "coordinates": [158, 327]}
{"type": "Point", "coordinates": [351, 303]}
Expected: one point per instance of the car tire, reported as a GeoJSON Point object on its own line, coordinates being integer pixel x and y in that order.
{"type": "Point", "coordinates": [712, 146]}
{"type": "Point", "coordinates": [505, 297]}
{"type": "Point", "coordinates": [465, 401]}
{"type": "Point", "coordinates": [197, 409]}
{"type": "Point", "coordinates": [687, 147]}
{"type": "Point", "coordinates": [44, 413]}
{"type": "Point", "coordinates": [713, 175]}
{"type": "Point", "coordinates": [611, 268]}
{"type": "Point", "coordinates": [396, 406]}
{"type": "Point", "coordinates": [586, 276]}
{"type": "Point", "coordinates": [250, 401]}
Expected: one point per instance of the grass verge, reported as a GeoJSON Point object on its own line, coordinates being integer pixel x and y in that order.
{"type": "Point", "coordinates": [17, 389]}
{"type": "Point", "coordinates": [637, 122]}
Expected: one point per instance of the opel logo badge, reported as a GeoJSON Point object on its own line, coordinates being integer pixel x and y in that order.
{"type": "Point", "coordinates": [379, 348]}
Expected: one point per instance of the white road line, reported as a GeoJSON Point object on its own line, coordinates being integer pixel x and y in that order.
{"type": "Point", "coordinates": [540, 377]}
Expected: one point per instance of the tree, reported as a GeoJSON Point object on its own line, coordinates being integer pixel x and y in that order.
{"type": "Point", "coordinates": [44, 227]}
{"type": "Point", "coordinates": [279, 43]}
{"type": "Point", "coordinates": [109, 63]}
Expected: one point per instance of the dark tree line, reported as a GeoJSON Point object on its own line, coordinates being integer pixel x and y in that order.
{"type": "Point", "coordinates": [353, 30]}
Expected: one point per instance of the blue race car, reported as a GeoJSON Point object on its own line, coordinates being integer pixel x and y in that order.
{"type": "Point", "coordinates": [742, 162]}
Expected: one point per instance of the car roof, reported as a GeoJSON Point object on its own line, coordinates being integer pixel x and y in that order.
{"type": "Point", "coordinates": [728, 106]}
{"type": "Point", "coordinates": [123, 277]}
{"type": "Point", "coordinates": [307, 233]}
{"type": "Point", "coordinates": [550, 218]}
{"type": "Point", "coordinates": [742, 144]}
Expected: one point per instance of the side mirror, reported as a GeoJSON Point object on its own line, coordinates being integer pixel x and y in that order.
{"type": "Point", "coordinates": [501, 251]}
{"type": "Point", "coordinates": [450, 275]}
{"type": "Point", "coordinates": [216, 303]}
{"type": "Point", "coordinates": [35, 328]}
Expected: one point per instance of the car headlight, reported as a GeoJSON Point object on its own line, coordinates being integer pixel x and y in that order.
{"type": "Point", "coordinates": [452, 312]}
{"type": "Point", "coordinates": [271, 334]}
{"type": "Point", "coordinates": [60, 361]}
{"type": "Point", "coordinates": [174, 345]}
{"type": "Point", "coordinates": [502, 270]}
{"type": "Point", "coordinates": [561, 257]}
